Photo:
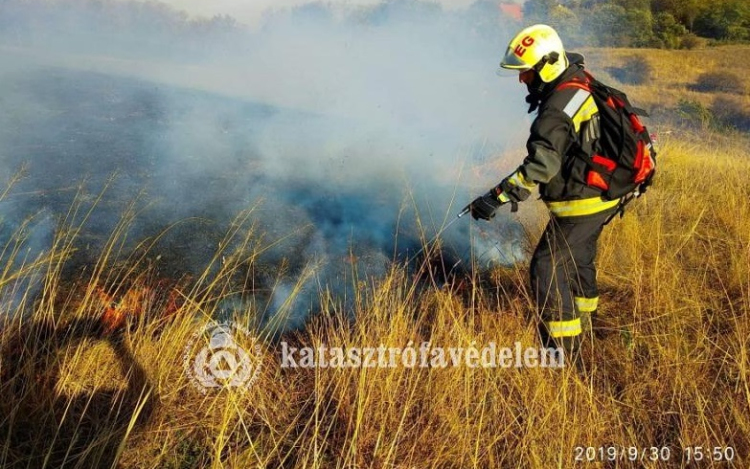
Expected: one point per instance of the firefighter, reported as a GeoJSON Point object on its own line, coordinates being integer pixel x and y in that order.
{"type": "Point", "coordinates": [562, 138]}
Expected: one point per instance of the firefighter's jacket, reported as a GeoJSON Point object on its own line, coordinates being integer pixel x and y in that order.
{"type": "Point", "coordinates": [561, 141]}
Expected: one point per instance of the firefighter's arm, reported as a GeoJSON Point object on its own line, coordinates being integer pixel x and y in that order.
{"type": "Point", "coordinates": [549, 141]}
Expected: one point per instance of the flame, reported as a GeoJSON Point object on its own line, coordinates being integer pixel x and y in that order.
{"type": "Point", "coordinates": [132, 303]}
{"type": "Point", "coordinates": [174, 303]}
{"type": "Point", "coordinates": [163, 298]}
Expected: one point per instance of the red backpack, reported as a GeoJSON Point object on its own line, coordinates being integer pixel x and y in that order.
{"type": "Point", "coordinates": [624, 160]}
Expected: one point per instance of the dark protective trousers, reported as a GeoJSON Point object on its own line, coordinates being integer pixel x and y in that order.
{"type": "Point", "coordinates": [563, 275]}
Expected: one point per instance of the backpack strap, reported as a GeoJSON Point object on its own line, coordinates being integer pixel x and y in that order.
{"type": "Point", "coordinates": [575, 84]}
{"type": "Point", "coordinates": [580, 84]}
{"type": "Point", "coordinates": [624, 201]}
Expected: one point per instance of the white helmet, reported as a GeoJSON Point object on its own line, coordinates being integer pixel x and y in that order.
{"type": "Point", "coordinates": [538, 47]}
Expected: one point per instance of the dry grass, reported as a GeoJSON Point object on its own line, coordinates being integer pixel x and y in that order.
{"type": "Point", "coordinates": [675, 76]}
{"type": "Point", "coordinates": [674, 369]}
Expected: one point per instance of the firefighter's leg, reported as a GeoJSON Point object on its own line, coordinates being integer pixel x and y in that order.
{"type": "Point", "coordinates": [583, 252]}
{"type": "Point", "coordinates": [551, 271]}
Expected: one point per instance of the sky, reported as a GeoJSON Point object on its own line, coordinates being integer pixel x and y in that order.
{"type": "Point", "coordinates": [251, 11]}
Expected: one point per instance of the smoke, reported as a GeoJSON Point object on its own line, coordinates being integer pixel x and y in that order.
{"type": "Point", "coordinates": [23, 239]}
{"type": "Point", "coordinates": [357, 132]}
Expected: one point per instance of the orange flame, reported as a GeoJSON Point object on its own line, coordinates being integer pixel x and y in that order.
{"type": "Point", "coordinates": [131, 304]}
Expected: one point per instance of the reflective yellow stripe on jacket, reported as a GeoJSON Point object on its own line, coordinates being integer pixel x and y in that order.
{"type": "Point", "coordinates": [580, 207]}
{"type": "Point", "coordinates": [585, 112]}
{"type": "Point", "coordinates": [517, 179]}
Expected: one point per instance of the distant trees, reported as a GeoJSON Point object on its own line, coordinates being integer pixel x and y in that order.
{"type": "Point", "coordinates": [728, 19]}
{"type": "Point", "coordinates": [614, 25]}
{"type": "Point", "coordinates": [638, 23]}
{"type": "Point", "coordinates": [389, 10]}
{"type": "Point", "coordinates": [668, 32]}
{"type": "Point", "coordinates": [629, 23]}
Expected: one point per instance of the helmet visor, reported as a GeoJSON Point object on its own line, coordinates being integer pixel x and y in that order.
{"type": "Point", "coordinates": [512, 61]}
{"type": "Point", "coordinates": [507, 72]}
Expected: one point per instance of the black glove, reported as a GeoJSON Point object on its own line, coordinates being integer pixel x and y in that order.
{"type": "Point", "coordinates": [484, 207]}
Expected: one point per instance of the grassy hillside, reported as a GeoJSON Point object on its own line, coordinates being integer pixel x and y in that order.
{"type": "Point", "coordinates": [708, 86]}
{"type": "Point", "coordinates": [96, 377]}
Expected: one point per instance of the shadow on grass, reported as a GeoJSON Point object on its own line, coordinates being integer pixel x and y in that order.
{"type": "Point", "coordinates": [42, 427]}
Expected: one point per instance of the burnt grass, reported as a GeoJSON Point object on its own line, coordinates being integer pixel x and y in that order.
{"type": "Point", "coordinates": [77, 135]}
{"type": "Point", "coordinates": [110, 144]}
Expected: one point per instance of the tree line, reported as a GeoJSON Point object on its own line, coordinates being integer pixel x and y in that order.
{"type": "Point", "coordinates": [644, 23]}
{"type": "Point", "coordinates": [609, 23]}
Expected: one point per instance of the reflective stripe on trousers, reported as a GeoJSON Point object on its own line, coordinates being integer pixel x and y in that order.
{"type": "Point", "coordinates": [586, 305]}
{"type": "Point", "coordinates": [570, 328]}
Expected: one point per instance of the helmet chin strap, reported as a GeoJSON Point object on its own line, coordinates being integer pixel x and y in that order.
{"type": "Point", "coordinates": [535, 86]}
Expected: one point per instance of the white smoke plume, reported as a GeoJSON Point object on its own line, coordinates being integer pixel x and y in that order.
{"type": "Point", "coordinates": [344, 125]}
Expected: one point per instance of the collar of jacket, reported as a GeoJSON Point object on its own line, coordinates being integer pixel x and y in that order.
{"type": "Point", "coordinates": [576, 67]}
